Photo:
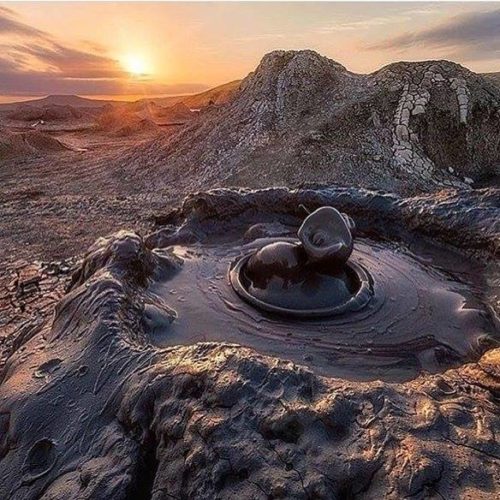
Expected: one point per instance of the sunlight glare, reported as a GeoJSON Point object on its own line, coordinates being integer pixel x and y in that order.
{"type": "Point", "coordinates": [136, 65]}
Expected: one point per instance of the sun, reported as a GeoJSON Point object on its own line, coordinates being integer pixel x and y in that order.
{"type": "Point", "coordinates": [136, 65]}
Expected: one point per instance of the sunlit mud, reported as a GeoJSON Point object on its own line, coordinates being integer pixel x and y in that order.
{"type": "Point", "coordinates": [420, 316]}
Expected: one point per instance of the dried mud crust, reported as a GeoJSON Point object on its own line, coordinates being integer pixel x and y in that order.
{"type": "Point", "coordinates": [88, 409]}
{"type": "Point", "coordinates": [409, 127]}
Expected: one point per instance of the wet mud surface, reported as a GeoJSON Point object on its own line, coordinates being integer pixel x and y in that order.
{"type": "Point", "coordinates": [419, 317]}
{"type": "Point", "coordinates": [99, 400]}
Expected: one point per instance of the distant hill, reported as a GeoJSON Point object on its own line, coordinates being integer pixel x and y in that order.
{"type": "Point", "coordinates": [217, 95]}
{"type": "Point", "coordinates": [62, 100]}
{"type": "Point", "coordinates": [493, 77]}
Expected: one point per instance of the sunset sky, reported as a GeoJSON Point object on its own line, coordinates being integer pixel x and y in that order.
{"type": "Point", "coordinates": [169, 48]}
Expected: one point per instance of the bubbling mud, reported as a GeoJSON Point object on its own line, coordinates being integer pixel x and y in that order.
{"type": "Point", "coordinates": [301, 291]}
{"type": "Point", "coordinates": [420, 316]}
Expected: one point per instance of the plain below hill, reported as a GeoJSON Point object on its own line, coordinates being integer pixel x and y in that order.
{"type": "Point", "coordinates": [217, 95]}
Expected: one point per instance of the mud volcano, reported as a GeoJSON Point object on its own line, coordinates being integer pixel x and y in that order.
{"type": "Point", "coordinates": [306, 279]}
{"type": "Point", "coordinates": [382, 308]}
{"type": "Point", "coordinates": [102, 400]}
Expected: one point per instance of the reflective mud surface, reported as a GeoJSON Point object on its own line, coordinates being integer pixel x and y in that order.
{"type": "Point", "coordinates": [91, 408]}
{"type": "Point", "coordinates": [421, 316]}
{"type": "Point", "coordinates": [293, 288]}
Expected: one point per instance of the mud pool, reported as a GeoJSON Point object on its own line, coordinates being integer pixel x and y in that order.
{"type": "Point", "coordinates": [114, 395]}
{"type": "Point", "coordinates": [425, 313]}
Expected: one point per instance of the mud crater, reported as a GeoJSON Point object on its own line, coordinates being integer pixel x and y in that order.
{"type": "Point", "coordinates": [424, 310]}
{"type": "Point", "coordinates": [132, 417]}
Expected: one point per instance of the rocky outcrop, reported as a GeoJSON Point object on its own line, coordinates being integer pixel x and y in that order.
{"type": "Point", "coordinates": [435, 125]}
{"type": "Point", "coordinates": [89, 408]}
{"type": "Point", "coordinates": [302, 117]}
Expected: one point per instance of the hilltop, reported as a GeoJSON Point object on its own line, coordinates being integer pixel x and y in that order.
{"type": "Point", "coordinates": [301, 117]}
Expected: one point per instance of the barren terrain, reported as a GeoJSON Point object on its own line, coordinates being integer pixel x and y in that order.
{"type": "Point", "coordinates": [298, 118]}
{"type": "Point", "coordinates": [128, 368]}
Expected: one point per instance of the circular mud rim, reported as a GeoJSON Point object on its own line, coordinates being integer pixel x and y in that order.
{"type": "Point", "coordinates": [355, 303]}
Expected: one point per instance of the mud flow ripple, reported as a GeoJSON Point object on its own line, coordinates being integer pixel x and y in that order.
{"type": "Point", "coordinates": [364, 310]}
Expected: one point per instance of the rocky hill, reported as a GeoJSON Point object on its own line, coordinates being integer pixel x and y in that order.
{"type": "Point", "coordinates": [493, 77]}
{"type": "Point", "coordinates": [302, 117]}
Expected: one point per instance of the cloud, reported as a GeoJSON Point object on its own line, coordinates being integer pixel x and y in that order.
{"type": "Point", "coordinates": [370, 22]}
{"type": "Point", "coordinates": [42, 83]}
{"type": "Point", "coordinates": [9, 25]}
{"type": "Point", "coordinates": [471, 36]}
{"type": "Point", "coordinates": [355, 25]}
{"type": "Point", "coordinates": [58, 66]}
{"type": "Point", "coordinates": [35, 62]}
{"type": "Point", "coordinates": [72, 63]}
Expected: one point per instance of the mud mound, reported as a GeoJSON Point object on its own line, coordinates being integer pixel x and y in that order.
{"type": "Point", "coordinates": [135, 127]}
{"type": "Point", "coordinates": [143, 109]}
{"type": "Point", "coordinates": [13, 145]}
{"type": "Point", "coordinates": [43, 143]}
{"type": "Point", "coordinates": [217, 420]}
{"type": "Point", "coordinates": [122, 122]}
{"type": "Point", "coordinates": [179, 112]}
{"type": "Point", "coordinates": [301, 117]}
{"type": "Point", "coordinates": [47, 113]}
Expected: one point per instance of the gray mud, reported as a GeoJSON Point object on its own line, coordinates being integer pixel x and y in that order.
{"type": "Point", "coordinates": [91, 405]}
{"type": "Point", "coordinates": [420, 317]}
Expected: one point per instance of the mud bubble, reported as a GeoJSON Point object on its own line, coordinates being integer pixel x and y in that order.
{"type": "Point", "coordinates": [417, 307]}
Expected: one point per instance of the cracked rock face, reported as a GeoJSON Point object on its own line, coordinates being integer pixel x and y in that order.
{"type": "Point", "coordinates": [409, 127]}
{"type": "Point", "coordinates": [91, 407]}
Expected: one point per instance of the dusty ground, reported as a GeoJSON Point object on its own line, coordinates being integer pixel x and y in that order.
{"type": "Point", "coordinates": [133, 420]}
{"type": "Point", "coordinates": [55, 205]}
{"type": "Point", "coordinates": [214, 420]}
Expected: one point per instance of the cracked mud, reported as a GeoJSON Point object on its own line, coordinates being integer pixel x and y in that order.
{"type": "Point", "coordinates": [135, 415]}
